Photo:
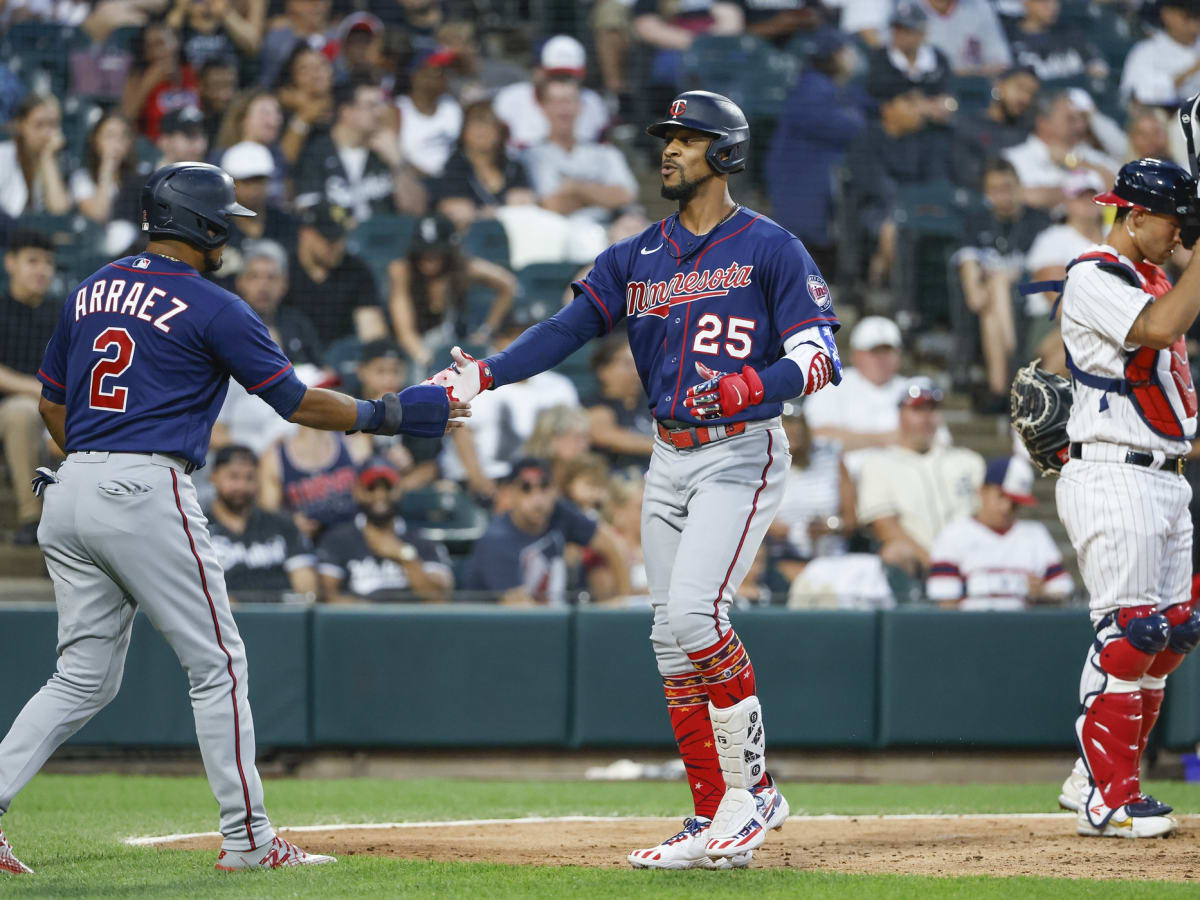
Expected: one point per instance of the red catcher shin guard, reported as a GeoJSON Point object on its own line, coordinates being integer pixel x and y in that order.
{"type": "Point", "coordinates": [687, 704]}
{"type": "Point", "coordinates": [1152, 699]}
{"type": "Point", "coordinates": [1109, 739]}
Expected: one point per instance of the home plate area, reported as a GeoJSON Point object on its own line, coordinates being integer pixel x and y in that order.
{"type": "Point", "coordinates": [1000, 845]}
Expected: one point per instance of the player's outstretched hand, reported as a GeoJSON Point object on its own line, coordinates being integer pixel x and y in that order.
{"type": "Point", "coordinates": [422, 410]}
{"type": "Point", "coordinates": [723, 394]}
{"type": "Point", "coordinates": [464, 379]}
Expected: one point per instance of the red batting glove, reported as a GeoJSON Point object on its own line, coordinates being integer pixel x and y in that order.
{"type": "Point", "coordinates": [723, 394]}
{"type": "Point", "coordinates": [463, 379]}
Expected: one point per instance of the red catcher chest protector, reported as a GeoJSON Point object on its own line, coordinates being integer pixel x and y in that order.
{"type": "Point", "coordinates": [1158, 382]}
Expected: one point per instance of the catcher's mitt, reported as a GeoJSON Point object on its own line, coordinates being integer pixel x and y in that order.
{"type": "Point", "coordinates": [1040, 406]}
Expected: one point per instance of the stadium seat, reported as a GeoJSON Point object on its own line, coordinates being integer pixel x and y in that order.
{"type": "Point", "coordinates": [578, 368]}
{"type": "Point", "coordinates": [38, 53]}
{"type": "Point", "coordinates": [379, 240]}
{"type": "Point", "coordinates": [752, 73]}
{"type": "Point", "coordinates": [78, 116]}
{"type": "Point", "coordinates": [542, 286]}
{"type": "Point", "coordinates": [342, 357]}
{"type": "Point", "coordinates": [929, 220]}
{"type": "Point", "coordinates": [487, 239]}
{"type": "Point", "coordinates": [448, 516]}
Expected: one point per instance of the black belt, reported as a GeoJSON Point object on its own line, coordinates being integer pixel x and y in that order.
{"type": "Point", "coordinates": [1136, 458]}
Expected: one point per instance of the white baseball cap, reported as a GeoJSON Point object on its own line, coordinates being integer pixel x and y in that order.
{"type": "Point", "coordinates": [875, 331]}
{"type": "Point", "coordinates": [248, 159]}
{"type": "Point", "coordinates": [1082, 181]}
{"type": "Point", "coordinates": [562, 53]}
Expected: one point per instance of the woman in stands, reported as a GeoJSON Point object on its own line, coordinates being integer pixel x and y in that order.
{"type": "Point", "coordinates": [256, 115]}
{"type": "Point", "coordinates": [30, 179]}
{"type": "Point", "coordinates": [159, 81]}
{"type": "Point", "coordinates": [109, 160]}
{"type": "Point", "coordinates": [428, 291]}
{"type": "Point", "coordinates": [305, 90]}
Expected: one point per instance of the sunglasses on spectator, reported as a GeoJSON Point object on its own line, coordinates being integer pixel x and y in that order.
{"type": "Point", "coordinates": [528, 487]}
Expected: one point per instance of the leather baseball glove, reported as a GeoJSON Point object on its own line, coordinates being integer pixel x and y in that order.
{"type": "Point", "coordinates": [1040, 406]}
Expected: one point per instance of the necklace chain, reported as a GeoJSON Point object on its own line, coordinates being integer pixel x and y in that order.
{"type": "Point", "coordinates": [168, 256]}
{"type": "Point", "coordinates": [729, 215]}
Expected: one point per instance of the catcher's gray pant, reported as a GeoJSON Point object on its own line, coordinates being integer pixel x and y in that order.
{"type": "Point", "coordinates": [122, 531]}
{"type": "Point", "coordinates": [704, 514]}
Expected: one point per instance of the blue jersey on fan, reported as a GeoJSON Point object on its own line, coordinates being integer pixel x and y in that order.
{"type": "Point", "coordinates": [142, 357]}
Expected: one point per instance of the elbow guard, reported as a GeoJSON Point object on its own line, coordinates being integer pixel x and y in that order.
{"type": "Point", "coordinates": [815, 353]}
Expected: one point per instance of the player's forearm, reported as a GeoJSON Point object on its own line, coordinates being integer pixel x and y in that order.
{"type": "Point", "coordinates": [622, 440]}
{"type": "Point", "coordinates": [1161, 323]}
{"type": "Point", "coordinates": [327, 410]}
{"type": "Point", "coordinates": [656, 31]}
{"type": "Point", "coordinates": [55, 417]}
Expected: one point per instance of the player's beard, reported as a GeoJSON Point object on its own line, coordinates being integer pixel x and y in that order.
{"type": "Point", "coordinates": [213, 264]}
{"type": "Point", "coordinates": [685, 190]}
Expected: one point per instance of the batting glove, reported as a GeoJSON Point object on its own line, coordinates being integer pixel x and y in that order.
{"type": "Point", "coordinates": [723, 394]}
{"type": "Point", "coordinates": [42, 476]}
{"type": "Point", "coordinates": [465, 378]}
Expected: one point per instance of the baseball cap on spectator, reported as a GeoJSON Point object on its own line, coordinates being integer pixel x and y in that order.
{"type": "Point", "coordinates": [377, 469]}
{"type": "Point", "coordinates": [824, 42]}
{"type": "Point", "coordinates": [438, 57]}
{"type": "Point", "coordinates": [248, 159]}
{"type": "Point", "coordinates": [358, 22]}
{"type": "Point", "coordinates": [1014, 70]}
{"type": "Point", "coordinates": [921, 393]}
{"type": "Point", "coordinates": [563, 55]}
{"type": "Point", "coordinates": [875, 331]}
{"type": "Point", "coordinates": [1082, 181]}
{"type": "Point", "coordinates": [187, 119]}
{"type": "Point", "coordinates": [380, 348]}
{"type": "Point", "coordinates": [1014, 477]}
{"type": "Point", "coordinates": [908, 14]}
{"type": "Point", "coordinates": [433, 233]}
{"type": "Point", "coordinates": [529, 469]}
{"type": "Point", "coordinates": [333, 222]}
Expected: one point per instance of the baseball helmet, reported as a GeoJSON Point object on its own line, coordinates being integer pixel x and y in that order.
{"type": "Point", "coordinates": [191, 201]}
{"type": "Point", "coordinates": [712, 114]}
{"type": "Point", "coordinates": [1155, 185]}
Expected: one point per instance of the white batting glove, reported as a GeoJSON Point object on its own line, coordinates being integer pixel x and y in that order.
{"type": "Point", "coordinates": [465, 378]}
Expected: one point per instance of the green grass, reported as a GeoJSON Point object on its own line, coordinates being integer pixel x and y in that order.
{"type": "Point", "coordinates": [69, 829]}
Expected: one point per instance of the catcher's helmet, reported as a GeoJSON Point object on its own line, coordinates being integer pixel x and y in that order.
{"type": "Point", "coordinates": [712, 114]}
{"type": "Point", "coordinates": [1155, 185]}
{"type": "Point", "coordinates": [191, 201]}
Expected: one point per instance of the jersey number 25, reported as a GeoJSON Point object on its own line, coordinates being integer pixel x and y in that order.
{"type": "Point", "coordinates": [111, 398]}
{"type": "Point", "coordinates": [738, 341]}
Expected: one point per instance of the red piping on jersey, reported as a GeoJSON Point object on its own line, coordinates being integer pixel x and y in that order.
{"type": "Point", "coordinates": [745, 530]}
{"type": "Point", "coordinates": [696, 267]}
{"type": "Point", "coordinates": [662, 229]}
{"type": "Point", "coordinates": [603, 309]}
{"type": "Point", "coordinates": [682, 357]}
{"type": "Point", "coordinates": [51, 380]}
{"type": "Point", "coordinates": [237, 731]}
{"type": "Point", "coordinates": [148, 272]}
{"type": "Point", "coordinates": [787, 331]}
{"type": "Point", "coordinates": [269, 380]}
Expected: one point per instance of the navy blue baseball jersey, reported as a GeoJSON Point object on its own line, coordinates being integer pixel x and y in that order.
{"type": "Point", "coordinates": [727, 299]}
{"type": "Point", "coordinates": [142, 356]}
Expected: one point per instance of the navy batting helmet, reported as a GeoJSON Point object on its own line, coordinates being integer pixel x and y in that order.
{"type": "Point", "coordinates": [191, 201]}
{"type": "Point", "coordinates": [712, 114]}
{"type": "Point", "coordinates": [1155, 185]}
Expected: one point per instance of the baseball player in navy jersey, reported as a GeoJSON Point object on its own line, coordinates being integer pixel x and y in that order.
{"type": "Point", "coordinates": [133, 378]}
{"type": "Point", "coordinates": [727, 317]}
{"type": "Point", "coordinates": [1122, 495]}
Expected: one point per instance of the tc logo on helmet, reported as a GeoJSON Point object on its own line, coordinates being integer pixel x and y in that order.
{"type": "Point", "coordinates": [677, 108]}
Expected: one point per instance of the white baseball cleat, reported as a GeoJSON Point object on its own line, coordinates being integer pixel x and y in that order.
{"type": "Point", "coordinates": [8, 860]}
{"type": "Point", "coordinates": [744, 818]}
{"type": "Point", "coordinates": [1073, 789]}
{"type": "Point", "coordinates": [275, 855]}
{"type": "Point", "coordinates": [686, 851]}
{"type": "Point", "coordinates": [772, 805]}
{"type": "Point", "coordinates": [1133, 820]}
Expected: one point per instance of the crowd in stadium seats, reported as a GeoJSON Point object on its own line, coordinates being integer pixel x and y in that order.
{"type": "Point", "coordinates": [435, 172]}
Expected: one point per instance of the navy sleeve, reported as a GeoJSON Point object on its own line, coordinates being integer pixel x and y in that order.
{"type": "Point", "coordinates": [575, 526]}
{"type": "Point", "coordinates": [606, 285]}
{"type": "Point", "coordinates": [547, 343]}
{"type": "Point", "coordinates": [798, 295]}
{"type": "Point", "coordinates": [493, 567]}
{"type": "Point", "coordinates": [53, 371]}
{"type": "Point", "coordinates": [240, 341]}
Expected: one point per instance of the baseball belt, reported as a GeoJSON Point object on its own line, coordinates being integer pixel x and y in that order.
{"type": "Point", "coordinates": [1133, 458]}
{"type": "Point", "coordinates": [691, 437]}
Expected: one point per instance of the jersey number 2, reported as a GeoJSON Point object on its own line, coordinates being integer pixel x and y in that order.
{"type": "Point", "coordinates": [110, 398]}
{"type": "Point", "coordinates": [737, 336]}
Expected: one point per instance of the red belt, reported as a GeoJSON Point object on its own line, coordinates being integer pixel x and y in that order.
{"type": "Point", "coordinates": [687, 438]}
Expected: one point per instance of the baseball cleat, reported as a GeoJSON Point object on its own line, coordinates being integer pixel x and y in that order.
{"type": "Point", "coordinates": [8, 860]}
{"type": "Point", "coordinates": [737, 826]}
{"type": "Point", "coordinates": [772, 806]}
{"type": "Point", "coordinates": [686, 851]}
{"type": "Point", "coordinates": [1073, 789]}
{"type": "Point", "coordinates": [1133, 820]}
{"type": "Point", "coordinates": [275, 855]}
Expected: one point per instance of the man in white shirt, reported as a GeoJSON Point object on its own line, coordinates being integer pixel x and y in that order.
{"type": "Point", "coordinates": [1165, 67]}
{"type": "Point", "coordinates": [993, 560]}
{"type": "Point", "coordinates": [969, 33]}
{"type": "Point", "coordinates": [1054, 150]}
{"type": "Point", "coordinates": [572, 177]}
{"type": "Point", "coordinates": [517, 105]}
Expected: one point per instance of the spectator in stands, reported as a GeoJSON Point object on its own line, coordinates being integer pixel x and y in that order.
{"type": "Point", "coordinates": [355, 165]}
{"type": "Point", "coordinates": [818, 510]}
{"type": "Point", "coordinates": [480, 176]}
{"type": "Point", "coordinates": [1146, 135]}
{"type": "Point", "coordinates": [215, 90]}
{"type": "Point", "coordinates": [181, 136]}
{"type": "Point", "coordinates": [262, 554]}
{"type": "Point", "coordinates": [1163, 69]}
{"type": "Point", "coordinates": [519, 559]}
{"type": "Point", "coordinates": [821, 116]}
{"type": "Point", "coordinates": [159, 80]}
{"type": "Point", "coordinates": [969, 33]}
{"type": "Point", "coordinates": [305, 23]}
{"type": "Point", "coordinates": [611, 24]}
{"type": "Point", "coordinates": [502, 421]}
{"type": "Point", "coordinates": [908, 492]}
{"type": "Point", "coordinates": [620, 425]}
{"type": "Point", "coordinates": [360, 45]}
{"type": "Point", "coordinates": [993, 560]}
{"type": "Point", "coordinates": [1055, 149]}
{"type": "Point", "coordinates": [1005, 123]}
{"type": "Point", "coordinates": [778, 20]}
{"type": "Point", "coordinates": [218, 29]}
{"type": "Point", "coordinates": [517, 104]}
{"type": "Point", "coordinates": [374, 557]}
{"type": "Point", "coordinates": [667, 29]}
{"type": "Point", "coordinates": [30, 178]}
{"type": "Point", "coordinates": [430, 117]}
{"type": "Point", "coordinates": [1052, 48]}
{"type": "Point", "coordinates": [574, 178]}
{"type": "Point", "coordinates": [990, 265]}
{"type": "Point", "coordinates": [585, 481]}
{"type": "Point", "coordinates": [334, 288]}
{"type": "Point", "coordinates": [909, 56]}
{"type": "Point", "coordinates": [561, 435]}
{"type": "Point", "coordinates": [27, 320]}
{"type": "Point", "coordinates": [304, 88]}
{"type": "Point", "coordinates": [256, 116]}
{"type": "Point", "coordinates": [417, 21]}
{"type": "Point", "coordinates": [428, 291]}
{"type": "Point", "coordinates": [475, 73]}
{"type": "Point", "coordinates": [263, 283]}
{"type": "Point", "coordinates": [865, 19]}
{"type": "Point", "coordinates": [109, 160]}
{"type": "Point", "coordinates": [253, 168]}
{"type": "Point", "coordinates": [896, 150]}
